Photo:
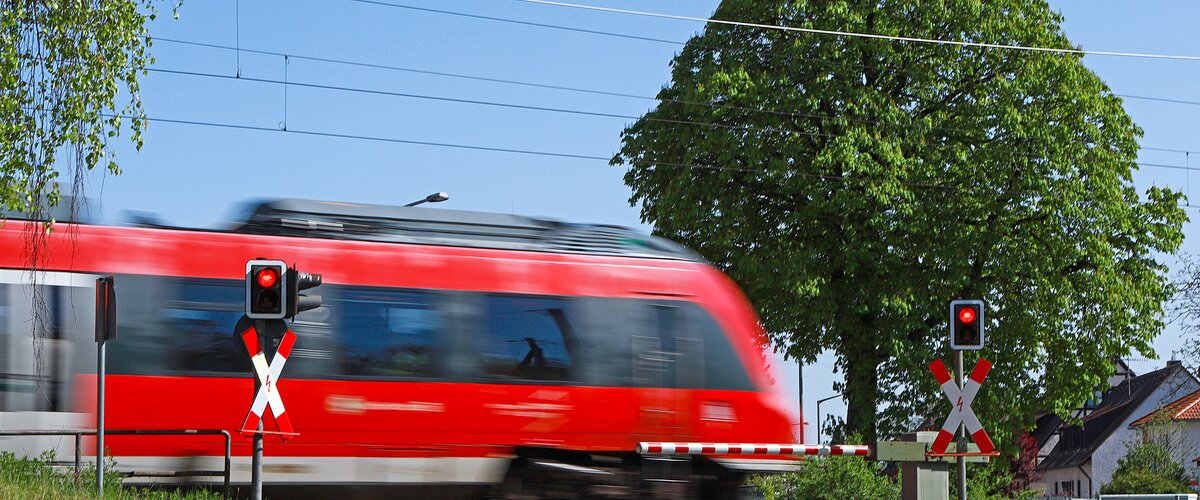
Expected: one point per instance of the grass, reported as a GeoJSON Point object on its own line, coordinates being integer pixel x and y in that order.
{"type": "Point", "coordinates": [36, 478]}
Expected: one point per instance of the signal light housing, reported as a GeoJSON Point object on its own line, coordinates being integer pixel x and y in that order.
{"type": "Point", "coordinates": [298, 302]}
{"type": "Point", "coordinates": [966, 325]}
{"type": "Point", "coordinates": [266, 281]}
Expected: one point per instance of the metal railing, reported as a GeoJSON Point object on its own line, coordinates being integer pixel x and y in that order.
{"type": "Point", "coordinates": [152, 432]}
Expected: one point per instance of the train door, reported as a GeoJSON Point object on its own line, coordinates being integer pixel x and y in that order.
{"type": "Point", "coordinates": [666, 363]}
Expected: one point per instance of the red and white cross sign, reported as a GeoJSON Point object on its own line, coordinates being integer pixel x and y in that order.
{"type": "Point", "coordinates": [268, 376]}
{"type": "Point", "coordinates": [960, 406]}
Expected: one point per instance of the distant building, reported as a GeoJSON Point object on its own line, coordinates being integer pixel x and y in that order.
{"type": "Point", "coordinates": [1179, 423]}
{"type": "Point", "coordinates": [1083, 457]}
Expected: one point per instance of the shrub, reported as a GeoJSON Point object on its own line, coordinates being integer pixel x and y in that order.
{"type": "Point", "coordinates": [830, 478]}
{"type": "Point", "coordinates": [1147, 468]}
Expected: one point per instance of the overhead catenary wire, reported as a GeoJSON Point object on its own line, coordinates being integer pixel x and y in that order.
{"type": "Point", "coordinates": [574, 89]}
{"type": "Point", "coordinates": [696, 166]}
{"type": "Point", "coordinates": [287, 83]}
{"type": "Point", "coordinates": [682, 43]}
{"type": "Point", "coordinates": [898, 38]}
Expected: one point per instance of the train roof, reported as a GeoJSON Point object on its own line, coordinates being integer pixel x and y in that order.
{"type": "Point", "coordinates": [435, 226]}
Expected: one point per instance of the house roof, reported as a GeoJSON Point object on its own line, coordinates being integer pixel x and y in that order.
{"type": "Point", "coordinates": [1077, 442]}
{"type": "Point", "coordinates": [1185, 408]}
{"type": "Point", "coordinates": [1046, 425]}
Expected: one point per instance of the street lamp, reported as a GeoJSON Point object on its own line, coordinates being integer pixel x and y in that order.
{"type": "Point", "coordinates": [819, 401]}
{"type": "Point", "coordinates": [433, 198]}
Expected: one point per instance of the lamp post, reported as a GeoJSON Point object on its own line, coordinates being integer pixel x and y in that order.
{"type": "Point", "coordinates": [433, 198]}
{"type": "Point", "coordinates": [819, 401]}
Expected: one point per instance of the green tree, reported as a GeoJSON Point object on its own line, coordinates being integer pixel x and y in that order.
{"type": "Point", "coordinates": [1147, 468]}
{"type": "Point", "coordinates": [67, 67]}
{"type": "Point", "coordinates": [854, 186]}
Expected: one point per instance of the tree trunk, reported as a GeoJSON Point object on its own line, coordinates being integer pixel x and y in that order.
{"type": "Point", "coordinates": [862, 390]}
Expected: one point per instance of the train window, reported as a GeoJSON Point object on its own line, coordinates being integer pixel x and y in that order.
{"type": "Point", "coordinates": [145, 344]}
{"type": "Point", "coordinates": [526, 338]}
{"type": "Point", "coordinates": [387, 333]}
{"type": "Point", "coordinates": [722, 367]}
{"type": "Point", "coordinates": [202, 315]}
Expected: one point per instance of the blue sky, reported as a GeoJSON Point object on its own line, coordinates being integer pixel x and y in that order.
{"type": "Point", "coordinates": [195, 176]}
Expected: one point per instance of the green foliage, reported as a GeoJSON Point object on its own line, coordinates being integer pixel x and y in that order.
{"type": "Point", "coordinates": [853, 187]}
{"type": "Point", "coordinates": [1142, 482]}
{"type": "Point", "coordinates": [63, 67]}
{"type": "Point", "coordinates": [1147, 468]}
{"type": "Point", "coordinates": [830, 478]}
{"type": "Point", "coordinates": [990, 481]}
{"type": "Point", "coordinates": [38, 479]}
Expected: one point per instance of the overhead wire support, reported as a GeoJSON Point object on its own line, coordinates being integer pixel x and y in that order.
{"type": "Point", "coordinates": [863, 35]}
{"type": "Point", "coordinates": [286, 83]}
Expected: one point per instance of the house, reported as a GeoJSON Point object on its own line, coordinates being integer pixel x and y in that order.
{"type": "Point", "coordinates": [1177, 425]}
{"type": "Point", "coordinates": [1084, 456]}
{"type": "Point", "coordinates": [1047, 425]}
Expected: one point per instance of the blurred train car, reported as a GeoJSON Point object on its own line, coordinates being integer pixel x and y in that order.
{"type": "Point", "coordinates": [454, 351]}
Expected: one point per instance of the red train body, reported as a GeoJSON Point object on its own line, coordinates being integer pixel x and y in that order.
{"type": "Point", "coordinates": [416, 370]}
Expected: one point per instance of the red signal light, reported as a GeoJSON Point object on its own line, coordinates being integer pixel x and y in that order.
{"type": "Point", "coordinates": [267, 278]}
{"type": "Point", "coordinates": [966, 314]}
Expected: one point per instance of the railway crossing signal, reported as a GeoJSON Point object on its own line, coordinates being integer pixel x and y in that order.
{"type": "Point", "coordinates": [960, 406]}
{"type": "Point", "coordinates": [266, 281]}
{"type": "Point", "coordinates": [273, 290]}
{"type": "Point", "coordinates": [966, 325]}
{"type": "Point", "coordinates": [267, 397]}
{"type": "Point", "coordinates": [272, 294]}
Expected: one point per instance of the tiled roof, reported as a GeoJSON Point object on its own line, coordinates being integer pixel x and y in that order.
{"type": "Point", "coordinates": [1185, 408]}
{"type": "Point", "coordinates": [1077, 442]}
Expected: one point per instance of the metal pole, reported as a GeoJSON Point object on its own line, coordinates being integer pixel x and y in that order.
{"type": "Point", "coordinates": [800, 395]}
{"type": "Point", "coordinates": [819, 401]}
{"type": "Point", "coordinates": [228, 458]}
{"type": "Point", "coordinates": [100, 419]}
{"type": "Point", "coordinates": [962, 434]}
{"type": "Point", "coordinates": [260, 327]}
{"type": "Point", "coordinates": [78, 454]}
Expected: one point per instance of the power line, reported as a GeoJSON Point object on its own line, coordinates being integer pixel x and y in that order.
{"type": "Point", "coordinates": [336, 135]}
{"type": "Point", "coordinates": [562, 88]}
{"type": "Point", "coordinates": [338, 88]}
{"type": "Point", "coordinates": [1159, 99]}
{"type": "Point", "coordinates": [624, 35]}
{"type": "Point", "coordinates": [863, 35]}
{"type": "Point", "coordinates": [360, 90]}
{"type": "Point", "coordinates": [547, 86]}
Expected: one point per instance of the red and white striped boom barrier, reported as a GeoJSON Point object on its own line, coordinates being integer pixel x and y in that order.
{"type": "Point", "coordinates": [657, 448]}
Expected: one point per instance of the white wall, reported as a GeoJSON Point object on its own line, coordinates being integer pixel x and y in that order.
{"type": "Point", "coordinates": [1072, 474]}
{"type": "Point", "coordinates": [1104, 460]}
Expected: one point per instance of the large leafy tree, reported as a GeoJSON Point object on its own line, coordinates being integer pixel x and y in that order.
{"type": "Point", "coordinates": [854, 186]}
{"type": "Point", "coordinates": [70, 73]}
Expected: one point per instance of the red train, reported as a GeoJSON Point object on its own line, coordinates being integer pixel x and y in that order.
{"type": "Point", "coordinates": [454, 351]}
